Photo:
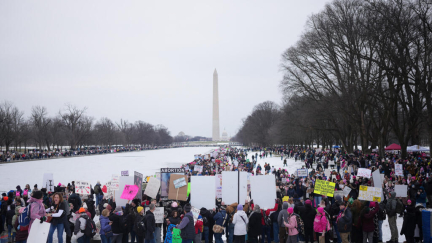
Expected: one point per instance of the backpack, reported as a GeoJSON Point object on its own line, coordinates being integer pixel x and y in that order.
{"type": "Point", "coordinates": [96, 189]}
{"type": "Point", "coordinates": [399, 206]}
{"type": "Point", "coordinates": [139, 226]}
{"type": "Point", "coordinates": [90, 228]}
{"type": "Point", "coordinates": [300, 224]}
{"type": "Point", "coordinates": [24, 218]}
{"type": "Point", "coordinates": [267, 220]}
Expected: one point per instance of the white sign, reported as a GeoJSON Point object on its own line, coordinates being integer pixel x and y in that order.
{"type": "Point", "coordinates": [377, 179]}
{"type": "Point", "coordinates": [198, 168]}
{"type": "Point", "coordinates": [115, 182]}
{"type": "Point", "coordinates": [48, 182]}
{"type": "Point", "coordinates": [179, 183]}
{"type": "Point", "coordinates": [152, 188]}
{"type": "Point", "coordinates": [364, 173]}
{"type": "Point", "coordinates": [82, 187]}
{"type": "Point", "coordinates": [124, 180]}
{"type": "Point", "coordinates": [218, 185]}
{"type": "Point", "coordinates": [302, 172]}
{"type": "Point", "coordinates": [202, 197]}
{"type": "Point", "coordinates": [158, 214]}
{"type": "Point", "coordinates": [195, 213]}
{"type": "Point", "coordinates": [327, 173]}
{"type": "Point", "coordinates": [39, 232]}
{"type": "Point", "coordinates": [346, 191]}
{"type": "Point", "coordinates": [401, 190]}
{"type": "Point", "coordinates": [398, 170]}
{"type": "Point", "coordinates": [370, 193]}
{"type": "Point", "coordinates": [230, 187]}
{"type": "Point", "coordinates": [125, 173]}
{"type": "Point", "coordinates": [263, 190]}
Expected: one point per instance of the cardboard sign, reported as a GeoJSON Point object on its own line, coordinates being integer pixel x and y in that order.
{"type": "Point", "coordinates": [179, 183]}
{"type": "Point", "coordinates": [129, 192]}
{"type": "Point", "coordinates": [115, 180]}
{"type": "Point", "coordinates": [125, 173]}
{"type": "Point", "coordinates": [202, 196]}
{"type": "Point", "coordinates": [364, 172]}
{"type": "Point", "coordinates": [346, 191]}
{"type": "Point", "coordinates": [398, 170]}
{"type": "Point", "coordinates": [180, 193]}
{"type": "Point", "coordinates": [370, 193]}
{"type": "Point", "coordinates": [48, 182]}
{"type": "Point", "coordinates": [325, 188]}
{"type": "Point", "coordinates": [165, 175]}
{"type": "Point", "coordinates": [302, 172]}
{"type": "Point", "coordinates": [401, 190]}
{"type": "Point", "coordinates": [138, 179]}
{"type": "Point", "coordinates": [82, 187]}
{"type": "Point", "coordinates": [218, 185]}
{"type": "Point", "coordinates": [198, 168]}
{"type": "Point", "coordinates": [152, 188]}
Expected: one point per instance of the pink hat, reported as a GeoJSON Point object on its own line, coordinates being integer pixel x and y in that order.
{"type": "Point", "coordinates": [290, 210]}
{"type": "Point", "coordinates": [308, 202]}
{"type": "Point", "coordinates": [409, 201]}
{"type": "Point", "coordinates": [25, 192]}
{"type": "Point", "coordinates": [321, 210]}
{"type": "Point", "coordinates": [18, 194]}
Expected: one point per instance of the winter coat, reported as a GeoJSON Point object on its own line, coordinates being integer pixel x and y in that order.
{"type": "Point", "coordinates": [37, 210]}
{"type": "Point", "coordinates": [344, 224]}
{"type": "Point", "coordinates": [175, 220]}
{"type": "Point", "coordinates": [283, 215]}
{"type": "Point", "coordinates": [62, 219]}
{"type": "Point", "coordinates": [291, 224]}
{"type": "Point", "coordinates": [307, 213]}
{"type": "Point", "coordinates": [219, 218]}
{"type": "Point", "coordinates": [290, 192]}
{"type": "Point", "coordinates": [150, 223]}
{"type": "Point", "coordinates": [391, 205]}
{"type": "Point", "coordinates": [255, 226]}
{"type": "Point", "coordinates": [116, 226]}
{"type": "Point", "coordinates": [9, 215]}
{"type": "Point", "coordinates": [367, 219]}
{"type": "Point", "coordinates": [21, 235]}
{"type": "Point", "coordinates": [240, 220]}
{"type": "Point", "coordinates": [105, 227]}
{"type": "Point", "coordinates": [187, 227]}
{"type": "Point", "coordinates": [320, 223]}
{"type": "Point", "coordinates": [422, 197]}
{"type": "Point", "coordinates": [80, 225]}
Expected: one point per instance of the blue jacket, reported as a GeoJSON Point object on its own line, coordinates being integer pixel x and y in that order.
{"type": "Point", "coordinates": [219, 218]}
{"type": "Point", "coordinates": [422, 197]}
{"type": "Point", "coordinates": [105, 227]}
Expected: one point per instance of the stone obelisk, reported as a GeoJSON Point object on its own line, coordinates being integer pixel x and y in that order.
{"type": "Point", "coordinates": [216, 131]}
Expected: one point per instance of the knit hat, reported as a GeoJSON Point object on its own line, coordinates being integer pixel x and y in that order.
{"type": "Point", "coordinates": [338, 198]}
{"type": "Point", "coordinates": [321, 210]}
{"type": "Point", "coordinates": [372, 204]}
{"type": "Point", "coordinates": [18, 194]}
{"type": "Point", "coordinates": [187, 208]}
{"type": "Point", "coordinates": [240, 207]}
{"type": "Point", "coordinates": [174, 204]}
{"type": "Point", "coordinates": [136, 201]}
{"type": "Point", "coordinates": [118, 209]}
{"type": "Point", "coordinates": [409, 201]}
{"type": "Point", "coordinates": [25, 192]}
{"type": "Point", "coordinates": [109, 207]}
{"type": "Point", "coordinates": [6, 198]}
{"type": "Point", "coordinates": [308, 202]}
{"type": "Point", "coordinates": [257, 208]}
{"type": "Point", "coordinates": [139, 209]}
{"type": "Point", "coordinates": [290, 210]}
{"type": "Point", "coordinates": [81, 210]}
{"type": "Point", "coordinates": [105, 205]}
{"type": "Point", "coordinates": [37, 194]}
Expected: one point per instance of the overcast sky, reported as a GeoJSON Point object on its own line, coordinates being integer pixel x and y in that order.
{"type": "Point", "coordinates": [148, 60]}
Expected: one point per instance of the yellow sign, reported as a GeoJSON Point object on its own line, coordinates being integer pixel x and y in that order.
{"type": "Point", "coordinates": [377, 199]}
{"type": "Point", "coordinates": [285, 199]}
{"type": "Point", "coordinates": [325, 188]}
{"type": "Point", "coordinates": [363, 188]}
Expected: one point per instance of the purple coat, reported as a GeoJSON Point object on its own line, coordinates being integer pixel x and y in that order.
{"type": "Point", "coordinates": [37, 210]}
{"type": "Point", "coordinates": [368, 220]}
{"type": "Point", "coordinates": [105, 227]}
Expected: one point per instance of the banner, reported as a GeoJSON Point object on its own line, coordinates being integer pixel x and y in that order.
{"type": "Point", "coordinates": [115, 180]}
{"type": "Point", "coordinates": [138, 180]}
{"type": "Point", "coordinates": [129, 192]}
{"type": "Point", "coordinates": [398, 170]}
{"type": "Point", "coordinates": [302, 172]}
{"type": "Point", "coordinates": [198, 168]}
{"type": "Point", "coordinates": [125, 173]}
{"type": "Point", "coordinates": [177, 193]}
{"type": "Point", "coordinates": [48, 182]}
{"type": "Point", "coordinates": [82, 187]}
{"type": "Point", "coordinates": [325, 188]}
{"type": "Point", "coordinates": [370, 193]}
{"type": "Point", "coordinates": [152, 188]}
{"type": "Point", "coordinates": [401, 190]}
{"type": "Point", "coordinates": [364, 172]}
{"type": "Point", "coordinates": [218, 185]}
{"type": "Point", "coordinates": [165, 179]}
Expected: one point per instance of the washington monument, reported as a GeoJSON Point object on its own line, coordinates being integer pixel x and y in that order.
{"type": "Point", "coordinates": [216, 131]}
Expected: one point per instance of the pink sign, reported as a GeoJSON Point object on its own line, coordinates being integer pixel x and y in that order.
{"type": "Point", "coordinates": [129, 192]}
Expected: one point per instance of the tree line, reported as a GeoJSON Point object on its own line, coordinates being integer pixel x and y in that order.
{"type": "Point", "coordinates": [73, 127]}
{"type": "Point", "coordinates": [360, 74]}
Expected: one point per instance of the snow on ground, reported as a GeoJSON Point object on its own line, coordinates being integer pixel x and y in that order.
{"type": "Point", "coordinates": [94, 167]}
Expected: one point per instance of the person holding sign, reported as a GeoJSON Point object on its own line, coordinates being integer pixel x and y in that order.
{"type": "Point", "coordinates": [58, 213]}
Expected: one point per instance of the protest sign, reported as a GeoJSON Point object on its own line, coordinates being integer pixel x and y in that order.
{"type": "Point", "coordinates": [370, 193]}
{"type": "Point", "coordinates": [129, 192]}
{"type": "Point", "coordinates": [124, 180]}
{"type": "Point", "coordinates": [218, 185]}
{"type": "Point", "coordinates": [377, 178]}
{"type": "Point", "coordinates": [158, 214]}
{"type": "Point", "coordinates": [248, 183]}
{"type": "Point", "coordinates": [198, 168]}
{"type": "Point", "coordinates": [231, 187]}
{"type": "Point", "coordinates": [302, 172]}
{"type": "Point", "coordinates": [339, 193]}
{"type": "Point", "coordinates": [398, 170]}
{"type": "Point", "coordinates": [364, 172]}
{"type": "Point", "coordinates": [115, 182]}
{"type": "Point", "coordinates": [325, 188]}
{"type": "Point", "coordinates": [138, 179]}
{"type": "Point", "coordinates": [195, 212]}
{"type": "Point", "coordinates": [346, 191]}
{"type": "Point", "coordinates": [202, 196]}
{"type": "Point", "coordinates": [48, 182]}
{"type": "Point", "coordinates": [285, 199]}
{"type": "Point", "coordinates": [165, 175]}
{"type": "Point", "coordinates": [327, 173]}
{"type": "Point", "coordinates": [125, 173]}
{"type": "Point", "coordinates": [177, 193]}
{"type": "Point", "coordinates": [152, 188]}
{"type": "Point", "coordinates": [39, 233]}
{"type": "Point", "coordinates": [179, 183]}
{"type": "Point", "coordinates": [401, 190]}
{"type": "Point", "coordinates": [263, 190]}
{"type": "Point", "coordinates": [82, 187]}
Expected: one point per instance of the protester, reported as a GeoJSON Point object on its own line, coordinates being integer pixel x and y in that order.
{"type": "Point", "coordinates": [291, 225]}
{"type": "Point", "coordinates": [320, 224]}
{"type": "Point", "coordinates": [240, 221]}
{"type": "Point", "coordinates": [117, 225]}
{"type": "Point", "coordinates": [106, 232]}
{"type": "Point", "coordinates": [59, 219]}
{"type": "Point", "coordinates": [187, 225]}
{"type": "Point", "coordinates": [150, 223]}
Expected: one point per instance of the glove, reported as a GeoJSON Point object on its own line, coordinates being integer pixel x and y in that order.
{"type": "Point", "coordinates": [42, 219]}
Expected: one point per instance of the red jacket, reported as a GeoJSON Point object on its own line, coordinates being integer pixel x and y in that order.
{"type": "Point", "coordinates": [267, 213]}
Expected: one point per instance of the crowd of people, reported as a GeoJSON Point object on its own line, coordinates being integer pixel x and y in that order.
{"type": "Point", "coordinates": [298, 215]}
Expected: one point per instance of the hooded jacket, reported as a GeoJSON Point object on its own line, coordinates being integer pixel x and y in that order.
{"type": "Point", "coordinates": [240, 220]}
{"type": "Point", "coordinates": [255, 228]}
{"type": "Point", "coordinates": [320, 222]}
{"type": "Point", "coordinates": [344, 223]}
{"type": "Point", "coordinates": [391, 205]}
{"type": "Point", "coordinates": [291, 224]}
{"type": "Point", "coordinates": [307, 213]}
{"type": "Point", "coordinates": [37, 210]}
{"type": "Point", "coordinates": [283, 215]}
{"type": "Point", "coordinates": [422, 197]}
{"type": "Point", "coordinates": [367, 219]}
{"type": "Point", "coordinates": [105, 227]}
{"type": "Point", "coordinates": [80, 225]}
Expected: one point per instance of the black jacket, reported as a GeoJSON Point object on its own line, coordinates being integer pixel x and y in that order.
{"type": "Point", "coordinates": [255, 224]}
{"type": "Point", "coordinates": [307, 213]}
{"type": "Point", "coordinates": [150, 222]}
{"type": "Point", "coordinates": [118, 224]}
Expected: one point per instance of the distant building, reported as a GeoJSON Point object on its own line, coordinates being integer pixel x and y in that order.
{"type": "Point", "coordinates": [181, 134]}
{"type": "Point", "coordinates": [224, 136]}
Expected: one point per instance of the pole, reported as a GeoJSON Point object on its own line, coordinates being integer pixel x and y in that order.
{"type": "Point", "coordinates": [238, 186]}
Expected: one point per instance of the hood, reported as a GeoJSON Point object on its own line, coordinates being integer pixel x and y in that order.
{"type": "Point", "coordinates": [241, 213]}
{"type": "Point", "coordinates": [32, 199]}
{"type": "Point", "coordinates": [392, 195]}
{"type": "Point", "coordinates": [17, 210]}
{"type": "Point", "coordinates": [84, 215]}
{"type": "Point", "coordinates": [203, 211]}
{"type": "Point", "coordinates": [285, 205]}
{"type": "Point", "coordinates": [103, 218]}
